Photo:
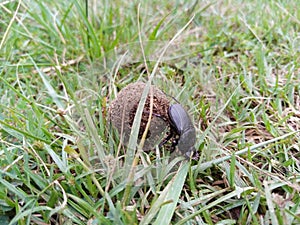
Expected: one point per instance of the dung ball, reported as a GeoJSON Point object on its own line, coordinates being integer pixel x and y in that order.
{"type": "Point", "coordinates": [122, 111]}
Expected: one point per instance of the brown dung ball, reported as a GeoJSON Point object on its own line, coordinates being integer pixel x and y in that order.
{"type": "Point", "coordinates": [122, 112]}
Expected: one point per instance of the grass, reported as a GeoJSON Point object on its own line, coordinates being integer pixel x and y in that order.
{"type": "Point", "coordinates": [235, 66]}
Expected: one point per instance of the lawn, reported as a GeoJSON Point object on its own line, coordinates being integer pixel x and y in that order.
{"type": "Point", "coordinates": [233, 65]}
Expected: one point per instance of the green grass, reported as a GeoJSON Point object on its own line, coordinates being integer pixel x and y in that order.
{"type": "Point", "coordinates": [235, 67]}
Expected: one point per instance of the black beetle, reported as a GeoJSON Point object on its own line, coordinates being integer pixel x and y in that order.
{"type": "Point", "coordinates": [183, 128]}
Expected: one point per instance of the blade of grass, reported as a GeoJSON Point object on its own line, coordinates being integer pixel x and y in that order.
{"type": "Point", "coordinates": [90, 209]}
{"type": "Point", "coordinates": [89, 27]}
{"type": "Point", "coordinates": [60, 164]}
{"type": "Point", "coordinates": [95, 137]}
{"type": "Point", "coordinates": [20, 193]}
{"type": "Point", "coordinates": [165, 204]}
{"type": "Point", "coordinates": [236, 193]}
{"type": "Point", "coordinates": [104, 194]}
{"type": "Point", "coordinates": [232, 171]}
{"type": "Point", "coordinates": [22, 132]}
{"type": "Point", "coordinates": [270, 204]}
{"type": "Point", "coordinates": [167, 211]}
{"type": "Point", "coordinates": [51, 91]}
{"type": "Point", "coordinates": [9, 25]}
{"type": "Point", "coordinates": [211, 163]}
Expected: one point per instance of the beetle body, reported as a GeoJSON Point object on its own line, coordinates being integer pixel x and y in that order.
{"type": "Point", "coordinates": [182, 125]}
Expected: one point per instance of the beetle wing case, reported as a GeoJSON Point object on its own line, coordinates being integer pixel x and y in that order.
{"type": "Point", "coordinates": [179, 118]}
{"type": "Point", "coordinates": [181, 122]}
{"type": "Point", "coordinates": [187, 139]}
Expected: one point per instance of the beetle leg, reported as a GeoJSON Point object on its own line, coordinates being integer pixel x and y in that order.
{"type": "Point", "coordinates": [165, 140]}
{"type": "Point", "coordinates": [157, 115]}
{"type": "Point", "coordinates": [174, 143]}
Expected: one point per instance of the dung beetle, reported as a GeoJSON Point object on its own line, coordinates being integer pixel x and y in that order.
{"type": "Point", "coordinates": [182, 127]}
